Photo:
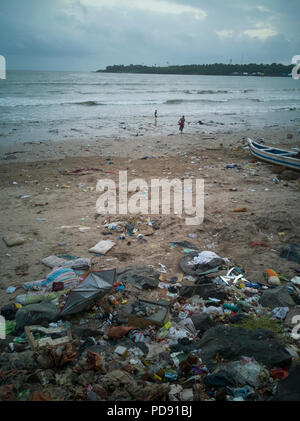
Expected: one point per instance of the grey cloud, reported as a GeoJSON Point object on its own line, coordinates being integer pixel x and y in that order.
{"type": "Point", "coordinates": [51, 34]}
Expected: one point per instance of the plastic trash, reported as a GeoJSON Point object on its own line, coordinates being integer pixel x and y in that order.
{"type": "Point", "coordinates": [213, 310]}
{"type": "Point", "coordinates": [231, 307]}
{"type": "Point", "coordinates": [247, 371]}
{"type": "Point", "coordinates": [243, 392]}
{"type": "Point", "coordinates": [102, 247]}
{"type": "Point", "coordinates": [296, 281]}
{"type": "Point", "coordinates": [280, 312]}
{"type": "Point", "coordinates": [10, 290]}
{"type": "Point", "coordinates": [9, 327]}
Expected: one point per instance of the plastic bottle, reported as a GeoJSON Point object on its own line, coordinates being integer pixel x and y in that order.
{"type": "Point", "coordinates": [231, 307]}
{"type": "Point", "coordinates": [251, 290]}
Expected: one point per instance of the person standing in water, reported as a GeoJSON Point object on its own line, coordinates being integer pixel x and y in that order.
{"type": "Point", "coordinates": [155, 118]}
{"type": "Point", "coordinates": [181, 124]}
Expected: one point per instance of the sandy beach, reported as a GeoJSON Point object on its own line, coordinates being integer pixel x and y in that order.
{"type": "Point", "coordinates": [147, 254]}
{"type": "Point", "coordinates": [41, 194]}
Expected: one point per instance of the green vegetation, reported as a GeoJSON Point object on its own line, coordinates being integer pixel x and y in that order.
{"type": "Point", "coordinates": [265, 322]}
{"type": "Point", "coordinates": [220, 69]}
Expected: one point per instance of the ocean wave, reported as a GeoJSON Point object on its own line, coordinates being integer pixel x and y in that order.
{"type": "Point", "coordinates": [291, 108]}
{"type": "Point", "coordinates": [211, 92]}
{"type": "Point", "coordinates": [180, 101]}
{"type": "Point", "coordinates": [86, 103]}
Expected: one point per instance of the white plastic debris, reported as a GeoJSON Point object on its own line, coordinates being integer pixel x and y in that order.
{"type": "Point", "coordinates": [102, 247]}
{"type": "Point", "coordinates": [296, 281]}
{"type": "Point", "coordinates": [203, 258]}
{"type": "Point", "coordinates": [280, 312]}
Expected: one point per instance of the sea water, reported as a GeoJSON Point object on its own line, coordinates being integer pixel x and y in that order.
{"type": "Point", "coordinates": [38, 106]}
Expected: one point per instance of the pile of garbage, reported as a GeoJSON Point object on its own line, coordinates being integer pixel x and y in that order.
{"type": "Point", "coordinates": [209, 334]}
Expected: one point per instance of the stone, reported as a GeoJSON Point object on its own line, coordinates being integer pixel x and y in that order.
{"type": "Point", "coordinates": [24, 360]}
{"type": "Point", "coordinates": [238, 318]}
{"type": "Point", "coordinates": [205, 291]}
{"type": "Point", "coordinates": [12, 240]}
{"type": "Point", "coordinates": [277, 297]}
{"type": "Point", "coordinates": [232, 343]}
{"type": "Point", "coordinates": [202, 322]}
{"type": "Point", "coordinates": [144, 277]}
{"type": "Point", "coordinates": [289, 175]}
{"type": "Point", "coordinates": [85, 332]}
{"type": "Point", "coordinates": [291, 252]}
{"type": "Point", "coordinates": [289, 388]}
{"type": "Point", "coordinates": [8, 311]}
{"type": "Point", "coordinates": [34, 314]}
{"type": "Point", "coordinates": [220, 379]}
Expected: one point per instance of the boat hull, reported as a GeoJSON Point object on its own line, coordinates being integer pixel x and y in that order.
{"type": "Point", "coordinates": [274, 156]}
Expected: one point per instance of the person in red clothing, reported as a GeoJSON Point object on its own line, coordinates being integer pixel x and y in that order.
{"type": "Point", "coordinates": [181, 124]}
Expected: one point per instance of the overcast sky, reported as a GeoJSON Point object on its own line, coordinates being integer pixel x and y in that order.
{"type": "Point", "coordinates": [91, 34]}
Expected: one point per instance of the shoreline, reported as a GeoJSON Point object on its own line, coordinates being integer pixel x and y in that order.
{"type": "Point", "coordinates": [151, 145]}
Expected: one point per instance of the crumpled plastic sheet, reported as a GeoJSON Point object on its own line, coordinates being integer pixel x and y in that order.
{"type": "Point", "coordinates": [280, 312]}
{"type": "Point", "coordinates": [203, 258]}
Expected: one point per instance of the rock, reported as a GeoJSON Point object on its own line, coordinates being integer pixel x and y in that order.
{"type": "Point", "coordinates": [204, 291]}
{"type": "Point", "coordinates": [277, 297]}
{"type": "Point", "coordinates": [220, 380]}
{"type": "Point", "coordinates": [202, 322]}
{"type": "Point", "coordinates": [289, 175]}
{"type": "Point", "coordinates": [232, 343]}
{"type": "Point", "coordinates": [85, 332]}
{"type": "Point", "coordinates": [12, 240]}
{"type": "Point", "coordinates": [8, 311]}
{"type": "Point", "coordinates": [289, 388]}
{"type": "Point", "coordinates": [24, 360]}
{"type": "Point", "coordinates": [34, 314]}
{"type": "Point", "coordinates": [144, 277]}
{"type": "Point", "coordinates": [291, 252]}
{"type": "Point", "coordinates": [238, 318]}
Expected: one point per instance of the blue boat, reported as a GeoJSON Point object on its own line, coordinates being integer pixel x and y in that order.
{"type": "Point", "coordinates": [275, 156]}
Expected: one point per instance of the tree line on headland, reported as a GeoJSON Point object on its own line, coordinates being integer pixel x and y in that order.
{"type": "Point", "coordinates": [218, 69]}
